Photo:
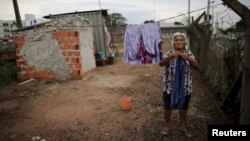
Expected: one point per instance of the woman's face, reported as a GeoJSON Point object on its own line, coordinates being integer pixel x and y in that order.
{"type": "Point", "coordinates": [179, 42]}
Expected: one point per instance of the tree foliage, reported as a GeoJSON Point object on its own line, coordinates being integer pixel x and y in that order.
{"type": "Point", "coordinates": [239, 27]}
{"type": "Point", "coordinates": [178, 23]}
{"type": "Point", "coordinates": [7, 73]}
{"type": "Point", "coordinates": [149, 21]}
{"type": "Point", "coordinates": [117, 19]}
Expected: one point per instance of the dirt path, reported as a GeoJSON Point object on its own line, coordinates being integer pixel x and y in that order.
{"type": "Point", "coordinates": [88, 109]}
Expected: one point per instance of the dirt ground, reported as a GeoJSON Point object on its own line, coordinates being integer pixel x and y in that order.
{"type": "Point", "coordinates": [88, 109]}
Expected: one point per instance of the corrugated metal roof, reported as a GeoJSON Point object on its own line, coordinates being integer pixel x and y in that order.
{"type": "Point", "coordinates": [97, 19]}
{"type": "Point", "coordinates": [30, 27]}
{"type": "Point", "coordinates": [104, 13]}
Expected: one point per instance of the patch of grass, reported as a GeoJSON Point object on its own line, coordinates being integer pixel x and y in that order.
{"type": "Point", "coordinates": [75, 137]}
{"type": "Point", "coordinates": [166, 45]}
{"type": "Point", "coordinates": [7, 73]}
{"type": "Point", "coordinates": [36, 92]}
{"type": "Point", "coordinates": [20, 134]}
{"type": "Point", "coordinates": [114, 109]}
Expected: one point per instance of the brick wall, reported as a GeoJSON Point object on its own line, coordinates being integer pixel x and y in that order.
{"type": "Point", "coordinates": [70, 49]}
{"type": "Point", "coordinates": [69, 46]}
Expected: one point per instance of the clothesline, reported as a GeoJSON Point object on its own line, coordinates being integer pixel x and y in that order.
{"type": "Point", "coordinates": [187, 13]}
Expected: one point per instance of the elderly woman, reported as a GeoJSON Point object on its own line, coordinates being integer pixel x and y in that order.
{"type": "Point", "coordinates": [177, 81]}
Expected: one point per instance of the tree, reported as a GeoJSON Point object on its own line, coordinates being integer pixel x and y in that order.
{"type": "Point", "coordinates": [178, 23]}
{"type": "Point", "coordinates": [149, 21]}
{"type": "Point", "coordinates": [117, 19]}
{"type": "Point", "coordinates": [244, 13]}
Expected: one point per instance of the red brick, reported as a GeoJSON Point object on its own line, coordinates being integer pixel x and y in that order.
{"type": "Point", "coordinates": [71, 34]}
{"type": "Point", "coordinates": [17, 51]}
{"type": "Point", "coordinates": [65, 47]}
{"type": "Point", "coordinates": [19, 45]}
{"type": "Point", "coordinates": [19, 57]}
{"type": "Point", "coordinates": [75, 60]}
{"type": "Point", "coordinates": [76, 34]}
{"type": "Point", "coordinates": [77, 66]}
{"type": "Point", "coordinates": [31, 69]}
{"type": "Point", "coordinates": [25, 75]}
{"type": "Point", "coordinates": [23, 68]}
{"type": "Point", "coordinates": [67, 59]}
{"type": "Point", "coordinates": [68, 41]}
{"type": "Point", "coordinates": [76, 74]}
{"type": "Point", "coordinates": [73, 53]}
{"type": "Point", "coordinates": [77, 47]}
{"type": "Point", "coordinates": [44, 74]}
{"type": "Point", "coordinates": [19, 39]}
{"type": "Point", "coordinates": [18, 68]}
{"type": "Point", "coordinates": [75, 41]}
{"type": "Point", "coordinates": [76, 53]}
{"type": "Point", "coordinates": [62, 42]}
{"type": "Point", "coordinates": [70, 66]}
{"type": "Point", "coordinates": [60, 34]}
{"type": "Point", "coordinates": [55, 35]}
{"type": "Point", "coordinates": [69, 53]}
{"type": "Point", "coordinates": [18, 63]}
{"type": "Point", "coordinates": [64, 53]}
{"type": "Point", "coordinates": [21, 62]}
{"type": "Point", "coordinates": [31, 74]}
{"type": "Point", "coordinates": [64, 34]}
{"type": "Point", "coordinates": [22, 76]}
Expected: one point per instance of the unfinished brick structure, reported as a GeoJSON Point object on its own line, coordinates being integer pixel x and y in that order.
{"type": "Point", "coordinates": [59, 54]}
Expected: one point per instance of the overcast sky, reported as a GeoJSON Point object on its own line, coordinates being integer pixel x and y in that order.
{"type": "Point", "coordinates": [135, 11]}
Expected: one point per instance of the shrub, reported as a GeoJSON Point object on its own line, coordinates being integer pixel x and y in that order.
{"type": "Point", "coordinates": [7, 73]}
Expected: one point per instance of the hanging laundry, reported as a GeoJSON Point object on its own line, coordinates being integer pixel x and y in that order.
{"type": "Point", "coordinates": [151, 34]}
{"type": "Point", "coordinates": [131, 42]}
{"type": "Point", "coordinates": [142, 44]}
{"type": "Point", "coordinates": [143, 55]}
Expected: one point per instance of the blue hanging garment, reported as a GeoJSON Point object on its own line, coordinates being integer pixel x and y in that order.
{"type": "Point", "coordinates": [177, 96]}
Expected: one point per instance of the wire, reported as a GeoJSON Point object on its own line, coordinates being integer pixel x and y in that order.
{"type": "Point", "coordinates": [221, 12]}
{"type": "Point", "coordinates": [187, 13]}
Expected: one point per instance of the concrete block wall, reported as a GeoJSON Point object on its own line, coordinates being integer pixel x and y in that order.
{"type": "Point", "coordinates": [68, 46]}
{"type": "Point", "coordinates": [24, 70]}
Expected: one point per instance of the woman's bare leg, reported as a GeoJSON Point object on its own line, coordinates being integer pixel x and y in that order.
{"type": "Point", "coordinates": [183, 122]}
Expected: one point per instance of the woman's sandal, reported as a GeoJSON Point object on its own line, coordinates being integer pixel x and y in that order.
{"type": "Point", "coordinates": [165, 131]}
{"type": "Point", "coordinates": [186, 132]}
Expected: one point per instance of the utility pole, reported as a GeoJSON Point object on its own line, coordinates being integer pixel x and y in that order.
{"type": "Point", "coordinates": [208, 8]}
{"type": "Point", "coordinates": [100, 4]}
{"type": "Point", "coordinates": [189, 12]}
{"type": "Point", "coordinates": [17, 14]}
{"type": "Point", "coordinates": [213, 19]}
{"type": "Point", "coordinates": [154, 10]}
{"type": "Point", "coordinates": [217, 23]}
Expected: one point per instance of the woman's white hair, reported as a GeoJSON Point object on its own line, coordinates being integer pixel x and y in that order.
{"type": "Point", "coordinates": [180, 34]}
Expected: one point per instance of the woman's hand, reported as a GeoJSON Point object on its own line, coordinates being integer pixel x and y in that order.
{"type": "Point", "coordinates": [167, 59]}
{"type": "Point", "coordinates": [175, 54]}
{"type": "Point", "coordinates": [184, 56]}
{"type": "Point", "coordinates": [192, 61]}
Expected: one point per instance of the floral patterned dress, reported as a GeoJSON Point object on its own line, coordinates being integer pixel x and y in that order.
{"type": "Point", "coordinates": [169, 75]}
